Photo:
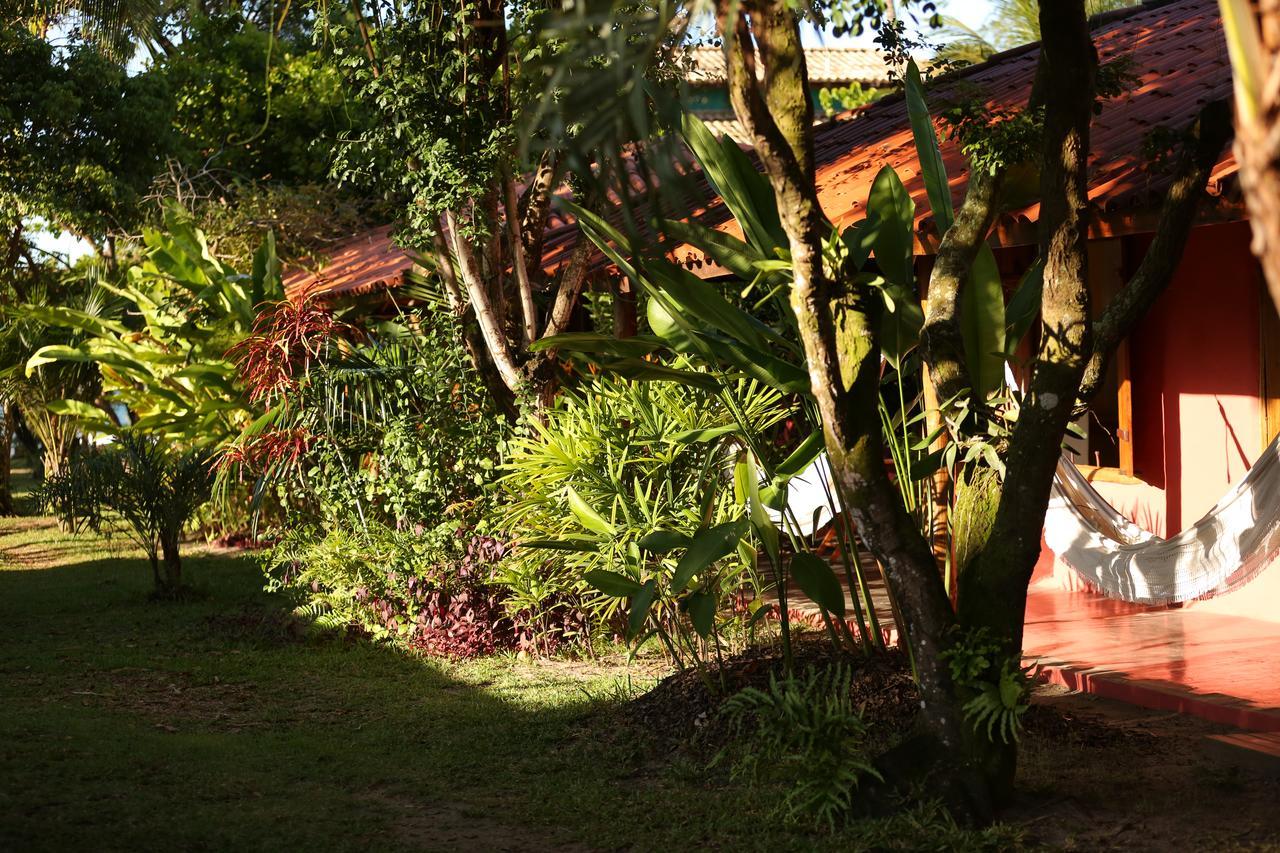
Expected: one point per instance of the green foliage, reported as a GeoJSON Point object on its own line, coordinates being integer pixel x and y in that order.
{"type": "Point", "coordinates": [998, 688]}
{"type": "Point", "coordinates": [167, 358]}
{"type": "Point", "coordinates": [620, 477]}
{"type": "Point", "coordinates": [803, 735]}
{"type": "Point", "coordinates": [837, 99]}
{"type": "Point", "coordinates": [38, 394]}
{"type": "Point", "coordinates": [80, 139]}
{"type": "Point", "coordinates": [255, 106]}
{"type": "Point", "coordinates": [431, 61]}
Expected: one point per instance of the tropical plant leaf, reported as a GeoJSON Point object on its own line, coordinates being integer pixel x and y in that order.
{"type": "Point", "coordinates": [890, 227]}
{"type": "Point", "coordinates": [591, 342]}
{"type": "Point", "coordinates": [587, 515]}
{"type": "Point", "coordinates": [926, 138]}
{"type": "Point", "coordinates": [707, 547]}
{"type": "Point", "coordinates": [663, 541]}
{"type": "Point", "coordinates": [612, 583]}
{"type": "Point", "coordinates": [745, 191]}
{"type": "Point", "coordinates": [641, 603]}
{"type": "Point", "coordinates": [802, 457]}
{"type": "Point", "coordinates": [728, 251]}
{"type": "Point", "coordinates": [900, 326]}
{"type": "Point", "coordinates": [701, 607]}
{"type": "Point", "coordinates": [1024, 306]}
{"type": "Point", "coordinates": [817, 580]}
{"type": "Point", "coordinates": [982, 323]}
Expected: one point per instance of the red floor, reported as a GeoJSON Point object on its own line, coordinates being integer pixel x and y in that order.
{"type": "Point", "coordinates": [1206, 658]}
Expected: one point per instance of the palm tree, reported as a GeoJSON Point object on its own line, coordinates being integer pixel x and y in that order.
{"type": "Point", "coordinates": [1012, 23]}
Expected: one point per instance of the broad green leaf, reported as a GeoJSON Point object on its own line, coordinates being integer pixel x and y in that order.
{"type": "Point", "coordinates": [744, 190]}
{"type": "Point", "coordinates": [816, 579]}
{"type": "Point", "coordinates": [772, 371]}
{"type": "Point", "coordinates": [612, 583]}
{"type": "Point", "coordinates": [707, 547]}
{"type": "Point", "coordinates": [587, 515]}
{"type": "Point", "coordinates": [926, 138]}
{"type": "Point", "coordinates": [774, 495]}
{"type": "Point", "coordinates": [702, 302]}
{"type": "Point", "coordinates": [802, 457]}
{"type": "Point", "coordinates": [760, 519]}
{"type": "Point", "coordinates": [665, 326]}
{"type": "Point", "coordinates": [641, 602]}
{"type": "Point", "coordinates": [704, 435]}
{"type": "Point", "coordinates": [982, 324]}
{"type": "Point", "coordinates": [728, 251]}
{"type": "Point", "coordinates": [590, 342]}
{"type": "Point", "coordinates": [900, 328]}
{"type": "Point", "coordinates": [891, 227]}
{"type": "Point", "coordinates": [85, 413]}
{"type": "Point", "coordinates": [702, 612]}
{"type": "Point", "coordinates": [663, 541]}
{"type": "Point", "coordinates": [1024, 306]}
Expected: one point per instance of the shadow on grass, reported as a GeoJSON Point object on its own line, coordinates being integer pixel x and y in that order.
{"type": "Point", "coordinates": [224, 723]}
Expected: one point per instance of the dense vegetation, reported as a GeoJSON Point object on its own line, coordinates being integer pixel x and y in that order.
{"type": "Point", "coordinates": [568, 449]}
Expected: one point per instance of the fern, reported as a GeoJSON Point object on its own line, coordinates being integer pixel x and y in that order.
{"type": "Point", "coordinates": [806, 734]}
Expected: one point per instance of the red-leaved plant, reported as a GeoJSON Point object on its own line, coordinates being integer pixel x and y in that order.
{"type": "Point", "coordinates": [287, 338]}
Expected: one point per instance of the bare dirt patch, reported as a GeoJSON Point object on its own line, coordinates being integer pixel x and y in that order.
{"type": "Point", "coordinates": [1102, 775]}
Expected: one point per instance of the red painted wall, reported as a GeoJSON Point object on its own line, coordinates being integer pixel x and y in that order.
{"type": "Point", "coordinates": [1195, 365]}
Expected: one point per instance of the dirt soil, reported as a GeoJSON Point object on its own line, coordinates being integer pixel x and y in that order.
{"type": "Point", "coordinates": [1094, 774]}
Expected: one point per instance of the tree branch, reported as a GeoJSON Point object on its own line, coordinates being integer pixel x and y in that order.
{"type": "Point", "coordinates": [495, 339]}
{"type": "Point", "coordinates": [1210, 132]}
{"type": "Point", "coordinates": [528, 312]}
{"type": "Point", "coordinates": [838, 325]}
{"type": "Point", "coordinates": [993, 589]}
{"type": "Point", "coordinates": [534, 204]}
{"type": "Point", "coordinates": [941, 337]}
{"type": "Point", "coordinates": [575, 273]}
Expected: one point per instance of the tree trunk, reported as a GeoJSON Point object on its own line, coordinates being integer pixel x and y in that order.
{"type": "Point", "coordinates": [6, 462]}
{"type": "Point", "coordinates": [171, 582]}
{"type": "Point", "coordinates": [1257, 146]}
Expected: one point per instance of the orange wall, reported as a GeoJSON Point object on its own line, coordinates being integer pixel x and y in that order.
{"type": "Point", "coordinates": [1195, 365]}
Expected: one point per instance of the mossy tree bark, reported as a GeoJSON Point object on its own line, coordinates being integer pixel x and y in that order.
{"type": "Point", "coordinates": [838, 319]}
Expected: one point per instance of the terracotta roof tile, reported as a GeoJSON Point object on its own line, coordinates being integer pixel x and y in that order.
{"type": "Point", "coordinates": [826, 65]}
{"type": "Point", "coordinates": [1176, 48]}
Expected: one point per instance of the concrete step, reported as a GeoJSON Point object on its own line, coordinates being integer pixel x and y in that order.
{"type": "Point", "coordinates": [1257, 751]}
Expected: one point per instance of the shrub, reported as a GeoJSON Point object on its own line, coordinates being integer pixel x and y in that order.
{"type": "Point", "coordinates": [430, 590]}
{"type": "Point", "coordinates": [140, 480]}
{"type": "Point", "coordinates": [381, 446]}
{"type": "Point", "coordinates": [615, 461]}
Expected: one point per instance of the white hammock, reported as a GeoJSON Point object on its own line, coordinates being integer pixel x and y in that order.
{"type": "Point", "coordinates": [1234, 541]}
{"type": "Point", "coordinates": [1224, 550]}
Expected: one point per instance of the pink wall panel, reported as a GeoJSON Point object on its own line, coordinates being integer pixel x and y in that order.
{"type": "Point", "coordinates": [1195, 366]}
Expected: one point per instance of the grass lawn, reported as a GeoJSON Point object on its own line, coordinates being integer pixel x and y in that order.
{"type": "Point", "coordinates": [218, 724]}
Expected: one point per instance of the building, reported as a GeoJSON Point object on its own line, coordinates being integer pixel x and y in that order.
{"type": "Point", "coordinates": [848, 77]}
{"type": "Point", "coordinates": [1194, 393]}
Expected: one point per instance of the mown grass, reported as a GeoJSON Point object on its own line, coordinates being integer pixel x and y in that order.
{"type": "Point", "coordinates": [219, 724]}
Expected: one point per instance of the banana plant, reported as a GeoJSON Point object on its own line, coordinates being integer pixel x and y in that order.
{"type": "Point", "coordinates": [172, 371]}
